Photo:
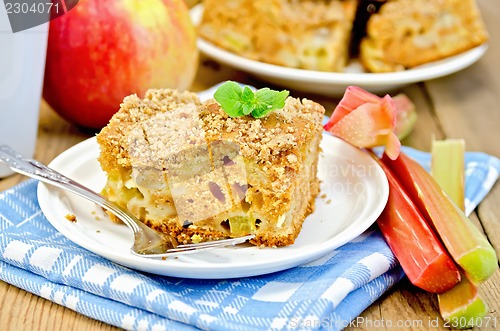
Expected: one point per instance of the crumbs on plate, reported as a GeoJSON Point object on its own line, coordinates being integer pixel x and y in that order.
{"type": "Point", "coordinates": [71, 218]}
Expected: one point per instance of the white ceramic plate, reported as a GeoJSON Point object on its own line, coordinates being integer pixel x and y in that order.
{"type": "Point", "coordinates": [334, 83]}
{"type": "Point", "coordinates": [354, 192]}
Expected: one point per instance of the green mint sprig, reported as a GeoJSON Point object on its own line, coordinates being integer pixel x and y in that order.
{"type": "Point", "coordinates": [236, 100]}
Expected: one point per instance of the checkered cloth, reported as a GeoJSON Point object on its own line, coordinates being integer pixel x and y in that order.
{"type": "Point", "coordinates": [324, 294]}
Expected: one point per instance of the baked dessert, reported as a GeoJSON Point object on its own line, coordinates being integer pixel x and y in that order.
{"type": "Point", "coordinates": [408, 33]}
{"type": "Point", "coordinates": [187, 169]}
{"type": "Point", "coordinates": [308, 34]}
{"type": "Point", "coordinates": [385, 35]}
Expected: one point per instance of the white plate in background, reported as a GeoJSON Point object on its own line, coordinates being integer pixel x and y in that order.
{"type": "Point", "coordinates": [335, 83]}
{"type": "Point", "coordinates": [354, 191]}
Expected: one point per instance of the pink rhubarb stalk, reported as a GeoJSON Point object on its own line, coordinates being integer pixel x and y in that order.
{"type": "Point", "coordinates": [417, 248]}
{"type": "Point", "coordinates": [365, 120]}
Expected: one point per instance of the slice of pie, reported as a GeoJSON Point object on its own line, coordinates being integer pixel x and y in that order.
{"type": "Point", "coordinates": [408, 33]}
{"type": "Point", "coordinates": [311, 35]}
{"type": "Point", "coordinates": [187, 169]}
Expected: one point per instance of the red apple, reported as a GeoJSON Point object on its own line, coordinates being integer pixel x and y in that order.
{"type": "Point", "coordinates": [101, 51]}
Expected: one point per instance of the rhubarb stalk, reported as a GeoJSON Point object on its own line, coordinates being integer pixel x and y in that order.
{"type": "Point", "coordinates": [465, 243]}
{"type": "Point", "coordinates": [365, 121]}
{"type": "Point", "coordinates": [447, 168]}
{"type": "Point", "coordinates": [406, 115]}
{"type": "Point", "coordinates": [462, 306]}
{"type": "Point", "coordinates": [418, 250]}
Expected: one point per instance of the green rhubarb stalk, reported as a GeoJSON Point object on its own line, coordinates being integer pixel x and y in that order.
{"type": "Point", "coordinates": [465, 243]}
{"type": "Point", "coordinates": [462, 306]}
{"type": "Point", "coordinates": [447, 168]}
{"type": "Point", "coordinates": [406, 115]}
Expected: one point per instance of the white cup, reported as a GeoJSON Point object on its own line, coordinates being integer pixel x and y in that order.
{"type": "Point", "coordinates": [22, 63]}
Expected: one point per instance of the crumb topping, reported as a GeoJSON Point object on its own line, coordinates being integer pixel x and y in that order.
{"type": "Point", "coordinates": [157, 130]}
{"type": "Point", "coordinates": [133, 110]}
{"type": "Point", "coordinates": [268, 138]}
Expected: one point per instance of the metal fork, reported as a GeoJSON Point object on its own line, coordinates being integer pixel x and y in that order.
{"type": "Point", "coordinates": [147, 242]}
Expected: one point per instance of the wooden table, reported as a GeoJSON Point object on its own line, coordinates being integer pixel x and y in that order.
{"type": "Point", "coordinates": [463, 105]}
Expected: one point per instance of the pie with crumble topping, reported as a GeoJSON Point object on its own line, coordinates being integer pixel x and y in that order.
{"type": "Point", "coordinates": [184, 167]}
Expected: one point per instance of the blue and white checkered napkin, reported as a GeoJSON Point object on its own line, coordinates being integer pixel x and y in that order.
{"type": "Point", "coordinates": [324, 294]}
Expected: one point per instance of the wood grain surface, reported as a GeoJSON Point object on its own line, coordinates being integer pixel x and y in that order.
{"type": "Point", "coordinates": [463, 105]}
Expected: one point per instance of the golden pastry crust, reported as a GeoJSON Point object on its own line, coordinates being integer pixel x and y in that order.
{"type": "Point", "coordinates": [305, 34]}
{"type": "Point", "coordinates": [408, 33]}
{"type": "Point", "coordinates": [188, 169]}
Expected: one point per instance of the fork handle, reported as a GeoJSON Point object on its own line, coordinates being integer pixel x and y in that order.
{"type": "Point", "coordinates": [29, 167]}
{"type": "Point", "coordinates": [35, 169]}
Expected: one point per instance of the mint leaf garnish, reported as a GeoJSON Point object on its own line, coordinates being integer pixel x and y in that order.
{"type": "Point", "coordinates": [247, 95]}
{"type": "Point", "coordinates": [229, 95]}
{"type": "Point", "coordinates": [236, 100]}
{"type": "Point", "coordinates": [268, 100]}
